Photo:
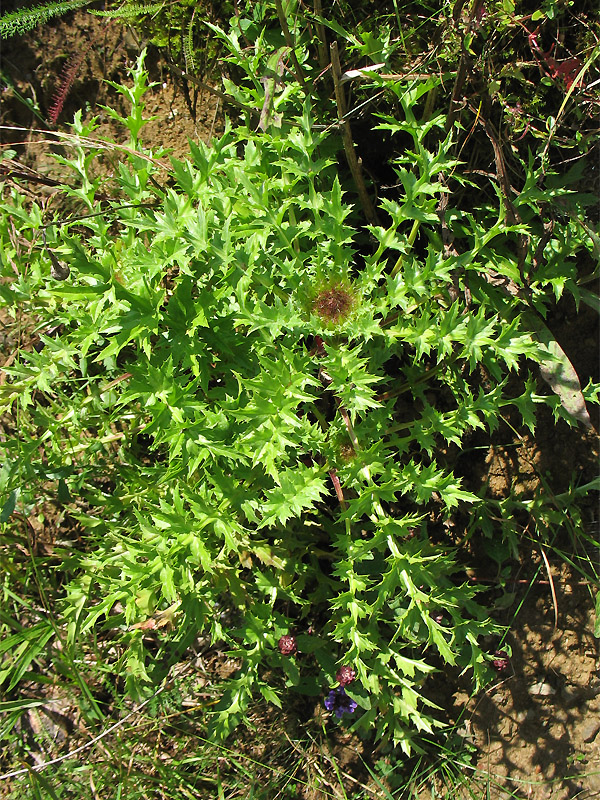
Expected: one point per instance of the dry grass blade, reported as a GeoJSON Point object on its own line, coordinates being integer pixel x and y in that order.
{"type": "Point", "coordinates": [552, 589]}
{"type": "Point", "coordinates": [322, 37]}
{"type": "Point", "coordinates": [74, 140]}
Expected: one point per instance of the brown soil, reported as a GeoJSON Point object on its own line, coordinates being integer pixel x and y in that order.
{"type": "Point", "coordinates": [536, 731]}
{"type": "Point", "coordinates": [36, 62]}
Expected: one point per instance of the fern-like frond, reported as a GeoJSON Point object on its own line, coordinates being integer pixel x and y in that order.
{"type": "Point", "coordinates": [188, 47]}
{"type": "Point", "coordinates": [25, 19]}
{"type": "Point", "coordinates": [130, 11]}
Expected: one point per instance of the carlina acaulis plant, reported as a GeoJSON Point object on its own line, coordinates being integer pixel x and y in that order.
{"type": "Point", "coordinates": [273, 483]}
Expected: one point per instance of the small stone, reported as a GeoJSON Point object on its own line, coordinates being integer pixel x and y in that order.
{"type": "Point", "coordinates": [541, 689]}
{"type": "Point", "coordinates": [590, 730]}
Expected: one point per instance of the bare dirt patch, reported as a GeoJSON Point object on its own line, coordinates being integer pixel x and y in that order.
{"type": "Point", "coordinates": [36, 62]}
{"type": "Point", "coordinates": [536, 730]}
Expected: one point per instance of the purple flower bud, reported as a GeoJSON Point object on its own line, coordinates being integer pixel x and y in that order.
{"type": "Point", "coordinates": [338, 701]}
{"type": "Point", "coordinates": [345, 675]}
{"type": "Point", "coordinates": [287, 645]}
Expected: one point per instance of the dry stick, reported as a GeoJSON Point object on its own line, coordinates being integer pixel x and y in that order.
{"type": "Point", "coordinates": [290, 43]}
{"type": "Point", "coordinates": [75, 140]}
{"type": "Point", "coordinates": [10, 170]}
{"type": "Point", "coordinates": [447, 236]}
{"type": "Point", "coordinates": [347, 138]}
{"type": "Point", "coordinates": [461, 74]}
{"type": "Point", "coordinates": [211, 90]}
{"type": "Point", "coordinates": [456, 91]}
{"type": "Point", "coordinates": [322, 41]}
{"type": "Point", "coordinates": [464, 60]}
{"type": "Point", "coordinates": [329, 758]}
{"type": "Point", "coordinates": [512, 213]}
{"type": "Point", "coordinates": [214, 120]}
{"type": "Point", "coordinates": [457, 10]}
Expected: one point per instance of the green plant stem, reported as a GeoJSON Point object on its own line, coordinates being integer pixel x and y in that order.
{"type": "Point", "coordinates": [407, 386]}
{"type": "Point", "coordinates": [290, 43]}
{"type": "Point", "coordinates": [410, 241]}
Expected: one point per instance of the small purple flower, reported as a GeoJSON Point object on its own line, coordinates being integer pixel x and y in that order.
{"type": "Point", "coordinates": [338, 701]}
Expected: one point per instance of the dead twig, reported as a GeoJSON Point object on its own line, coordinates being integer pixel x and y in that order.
{"type": "Point", "coordinates": [211, 90]}
{"type": "Point", "coordinates": [75, 140]}
{"type": "Point", "coordinates": [464, 60]}
{"type": "Point", "coordinates": [221, 95]}
{"type": "Point", "coordinates": [512, 215]}
{"type": "Point", "coordinates": [322, 37]}
{"type": "Point", "coordinates": [351, 158]}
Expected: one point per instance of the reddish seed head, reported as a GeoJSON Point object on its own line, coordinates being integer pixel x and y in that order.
{"type": "Point", "coordinates": [287, 645]}
{"type": "Point", "coordinates": [334, 303]}
{"type": "Point", "coordinates": [501, 661]}
{"type": "Point", "coordinates": [345, 675]}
